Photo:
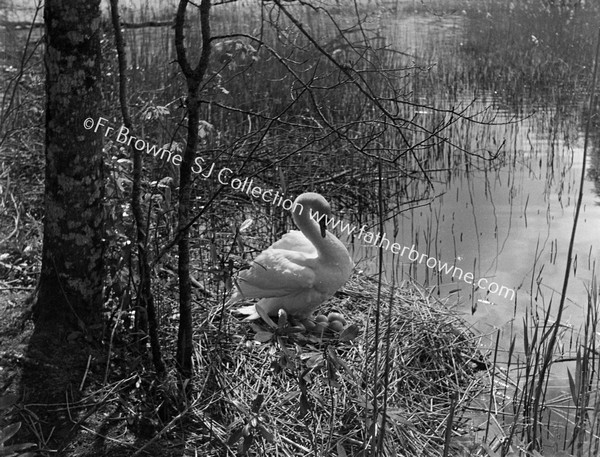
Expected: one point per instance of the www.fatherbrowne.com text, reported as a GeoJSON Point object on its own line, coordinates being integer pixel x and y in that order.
{"type": "Point", "coordinates": [247, 186]}
{"type": "Point", "coordinates": [381, 241]}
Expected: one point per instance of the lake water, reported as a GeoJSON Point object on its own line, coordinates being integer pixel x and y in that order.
{"type": "Point", "coordinates": [508, 221]}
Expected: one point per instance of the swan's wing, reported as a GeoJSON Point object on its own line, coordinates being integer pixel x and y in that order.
{"type": "Point", "coordinates": [275, 273]}
{"type": "Point", "coordinates": [295, 240]}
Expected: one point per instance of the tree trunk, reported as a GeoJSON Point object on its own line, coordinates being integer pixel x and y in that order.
{"type": "Point", "coordinates": [70, 288]}
{"type": "Point", "coordinates": [69, 295]}
{"type": "Point", "coordinates": [185, 348]}
{"type": "Point", "coordinates": [194, 77]}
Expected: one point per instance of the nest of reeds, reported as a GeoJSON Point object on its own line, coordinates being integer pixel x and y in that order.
{"type": "Point", "coordinates": [396, 384]}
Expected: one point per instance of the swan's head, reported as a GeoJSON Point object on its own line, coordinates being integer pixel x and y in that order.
{"type": "Point", "coordinates": [312, 204]}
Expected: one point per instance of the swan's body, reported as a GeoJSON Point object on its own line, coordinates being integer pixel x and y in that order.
{"type": "Point", "coordinates": [301, 270]}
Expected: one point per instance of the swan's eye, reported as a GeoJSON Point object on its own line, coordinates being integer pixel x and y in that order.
{"type": "Point", "coordinates": [323, 226]}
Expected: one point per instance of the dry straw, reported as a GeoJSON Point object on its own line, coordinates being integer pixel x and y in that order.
{"type": "Point", "coordinates": [294, 395]}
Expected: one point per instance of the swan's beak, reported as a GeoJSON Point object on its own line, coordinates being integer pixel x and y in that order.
{"type": "Point", "coordinates": [323, 226]}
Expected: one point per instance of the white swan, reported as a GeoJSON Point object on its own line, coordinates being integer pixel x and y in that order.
{"type": "Point", "coordinates": [301, 270]}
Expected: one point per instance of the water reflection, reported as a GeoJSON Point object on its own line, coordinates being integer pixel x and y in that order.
{"type": "Point", "coordinates": [508, 221]}
{"type": "Point", "coordinates": [510, 224]}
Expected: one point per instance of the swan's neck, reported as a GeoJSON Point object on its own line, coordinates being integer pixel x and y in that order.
{"type": "Point", "coordinates": [326, 246]}
{"type": "Point", "coordinates": [308, 226]}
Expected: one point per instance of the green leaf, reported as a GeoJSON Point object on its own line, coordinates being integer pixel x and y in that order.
{"type": "Point", "coordinates": [257, 403]}
{"type": "Point", "coordinates": [263, 336]}
{"type": "Point", "coordinates": [235, 436]}
{"type": "Point", "coordinates": [264, 316]}
{"type": "Point", "coordinates": [349, 333]}
{"type": "Point", "coordinates": [315, 361]}
{"type": "Point", "coordinates": [257, 328]}
{"type": "Point", "coordinates": [245, 447]}
{"type": "Point", "coordinates": [341, 452]}
{"type": "Point", "coordinates": [15, 450]}
{"type": "Point", "coordinates": [573, 387]}
{"type": "Point", "coordinates": [295, 329]}
{"type": "Point", "coordinates": [74, 335]}
{"type": "Point", "coordinates": [267, 435]}
{"type": "Point", "coordinates": [8, 432]}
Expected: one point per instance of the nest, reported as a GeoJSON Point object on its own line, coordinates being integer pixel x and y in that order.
{"type": "Point", "coordinates": [396, 385]}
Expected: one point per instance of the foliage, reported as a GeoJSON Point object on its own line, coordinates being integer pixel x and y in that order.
{"type": "Point", "coordinates": [9, 431]}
